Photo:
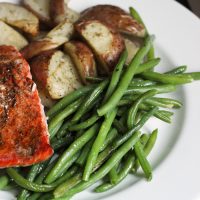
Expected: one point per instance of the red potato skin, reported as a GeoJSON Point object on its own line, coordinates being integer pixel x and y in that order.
{"type": "Point", "coordinates": [115, 17]}
{"type": "Point", "coordinates": [110, 59]}
{"type": "Point", "coordinates": [86, 57]}
{"type": "Point", "coordinates": [24, 137]}
{"type": "Point", "coordinates": [57, 8]}
{"type": "Point", "coordinates": [41, 18]}
{"type": "Point", "coordinates": [39, 67]}
{"type": "Point", "coordinates": [36, 47]}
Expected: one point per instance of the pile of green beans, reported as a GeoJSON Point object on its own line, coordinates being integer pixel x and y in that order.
{"type": "Point", "coordinates": [96, 133]}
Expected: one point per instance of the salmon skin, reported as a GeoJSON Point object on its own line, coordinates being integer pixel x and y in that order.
{"type": "Point", "coordinates": [24, 137]}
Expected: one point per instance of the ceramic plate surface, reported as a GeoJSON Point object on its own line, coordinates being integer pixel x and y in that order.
{"type": "Point", "coordinates": [175, 158]}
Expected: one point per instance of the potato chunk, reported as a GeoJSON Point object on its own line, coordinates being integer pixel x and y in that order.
{"type": "Point", "coordinates": [55, 38]}
{"type": "Point", "coordinates": [105, 42]}
{"type": "Point", "coordinates": [9, 36]}
{"type": "Point", "coordinates": [19, 17]}
{"type": "Point", "coordinates": [83, 59]}
{"type": "Point", "coordinates": [114, 17]}
{"type": "Point", "coordinates": [40, 8]}
{"type": "Point", "coordinates": [55, 72]}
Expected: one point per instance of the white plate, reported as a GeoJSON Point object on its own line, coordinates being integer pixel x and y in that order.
{"type": "Point", "coordinates": [175, 157]}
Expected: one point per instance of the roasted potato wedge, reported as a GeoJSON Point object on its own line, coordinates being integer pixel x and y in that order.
{"type": "Point", "coordinates": [105, 42]}
{"type": "Point", "coordinates": [10, 36]}
{"type": "Point", "coordinates": [40, 8]}
{"type": "Point", "coordinates": [114, 17]}
{"type": "Point", "coordinates": [82, 58]}
{"type": "Point", "coordinates": [55, 38]}
{"type": "Point", "coordinates": [59, 11]}
{"type": "Point", "coordinates": [132, 48]}
{"type": "Point", "coordinates": [19, 17]}
{"type": "Point", "coordinates": [55, 72]}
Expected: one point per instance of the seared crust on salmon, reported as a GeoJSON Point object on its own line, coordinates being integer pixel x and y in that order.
{"type": "Point", "coordinates": [24, 138]}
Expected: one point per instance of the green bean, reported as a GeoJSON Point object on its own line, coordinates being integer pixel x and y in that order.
{"type": "Point", "coordinates": [66, 186]}
{"type": "Point", "coordinates": [31, 176]}
{"type": "Point", "coordinates": [178, 70]}
{"type": "Point", "coordinates": [67, 100]}
{"type": "Point", "coordinates": [116, 75]}
{"type": "Point", "coordinates": [194, 75]}
{"type": "Point", "coordinates": [160, 114]}
{"type": "Point", "coordinates": [95, 79]}
{"type": "Point", "coordinates": [144, 107]}
{"type": "Point", "coordinates": [168, 78]}
{"type": "Point", "coordinates": [148, 146]}
{"type": "Point", "coordinates": [24, 183]}
{"type": "Point", "coordinates": [164, 104]}
{"type": "Point", "coordinates": [124, 102]}
{"type": "Point", "coordinates": [162, 117]}
{"type": "Point", "coordinates": [65, 167]}
{"type": "Point", "coordinates": [104, 155]}
{"type": "Point", "coordinates": [167, 113]}
{"type": "Point", "coordinates": [65, 113]}
{"type": "Point", "coordinates": [134, 108]}
{"type": "Point", "coordinates": [138, 148]}
{"type": "Point", "coordinates": [43, 174]}
{"type": "Point", "coordinates": [63, 130]}
{"type": "Point", "coordinates": [141, 83]}
{"type": "Point", "coordinates": [121, 176]}
{"type": "Point", "coordinates": [110, 137]}
{"type": "Point", "coordinates": [55, 129]}
{"type": "Point", "coordinates": [125, 79]}
{"type": "Point", "coordinates": [138, 18]}
{"type": "Point", "coordinates": [148, 65]}
{"type": "Point", "coordinates": [121, 139]}
{"type": "Point", "coordinates": [139, 125]}
{"type": "Point", "coordinates": [173, 102]}
{"type": "Point", "coordinates": [35, 196]}
{"type": "Point", "coordinates": [151, 53]}
{"type": "Point", "coordinates": [46, 196]}
{"type": "Point", "coordinates": [143, 161]}
{"type": "Point", "coordinates": [88, 101]}
{"type": "Point", "coordinates": [153, 101]}
{"type": "Point", "coordinates": [70, 152]}
{"type": "Point", "coordinates": [115, 158]}
{"type": "Point", "coordinates": [143, 67]}
{"type": "Point", "coordinates": [85, 124]}
{"type": "Point", "coordinates": [105, 127]}
{"type": "Point", "coordinates": [144, 138]}
{"type": "Point", "coordinates": [119, 126]}
{"type": "Point", "coordinates": [4, 181]}
{"type": "Point", "coordinates": [84, 153]}
{"type": "Point", "coordinates": [41, 177]}
{"type": "Point", "coordinates": [113, 175]}
{"type": "Point", "coordinates": [61, 142]}
{"type": "Point", "coordinates": [160, 89]}
{"type": "Point", "coordinates": [63, 178]}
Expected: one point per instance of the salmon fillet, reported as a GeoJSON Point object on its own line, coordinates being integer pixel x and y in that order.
{"type": "Point", "coordinates": [24, 137]}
